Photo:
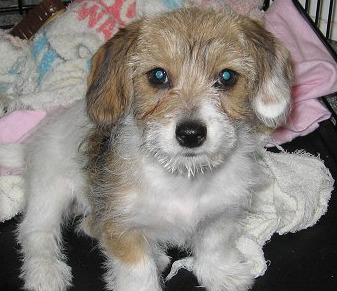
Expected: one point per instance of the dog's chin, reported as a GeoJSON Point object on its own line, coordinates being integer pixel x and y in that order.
{"type": "Point", "coordinates": [189, 164]}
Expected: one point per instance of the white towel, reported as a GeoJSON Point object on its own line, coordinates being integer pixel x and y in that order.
{"type": "Point", "coordinates": [297, 196]}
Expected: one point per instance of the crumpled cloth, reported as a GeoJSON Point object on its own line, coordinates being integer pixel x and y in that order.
{"type": "Point", "coordinates": [315, 71]}
{"type": "Point", "coordinates": [17, 126]}
{"type": "Point", "coordinates": [297, 196]}
{"type": "Point", "coordinates": [12, 197]}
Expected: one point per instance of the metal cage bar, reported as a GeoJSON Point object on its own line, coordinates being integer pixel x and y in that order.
{"type": "Point", "coordinates": [19, 7]}
{"type": "Point", "coordinates": [318, 12]}
{"type": "Point", "coordinates": [330, 15]}
{"type": "Point", "coordinates": [327, 45]}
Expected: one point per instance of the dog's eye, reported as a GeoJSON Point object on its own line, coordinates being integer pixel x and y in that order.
{"type": "Point", "coordinates": [158, 78]}
{"type": "Point", "coordinates": [226, 79]}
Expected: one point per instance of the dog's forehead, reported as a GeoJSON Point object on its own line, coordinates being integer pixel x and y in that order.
{"type": "Point", "coordinates": [184, 40]}
{"type": "Point", "coordinates": [194, 24]}
{"type": "Point", "coordinates": [195, 34]}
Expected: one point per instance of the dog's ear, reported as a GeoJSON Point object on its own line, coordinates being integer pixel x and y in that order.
{"type": "Point", "coordinates": [110, 87]}
{"type": "Point", "coordinates": [271, 99]}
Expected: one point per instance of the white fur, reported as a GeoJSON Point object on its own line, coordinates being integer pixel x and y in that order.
{"type": "Point", "coordinates": [193, 209]}
{"type": "Point", "coordinates": [172, 195]}
{"type": "Point", "coordinates": [272, 103]}
{"type": "Point", "coordinates": [53, 181]}
{"type": "Point", "coordinates": [12, 155]}
{"type": "Point", "coordinates": [144, 276]}
{"type": "Point", "coordinates": [160, 140]}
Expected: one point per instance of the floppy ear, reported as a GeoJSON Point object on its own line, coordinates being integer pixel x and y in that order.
{"type": "Point", "coordinates": [110, 87]}
{"type": "Point", "coordinates": [271, 101]}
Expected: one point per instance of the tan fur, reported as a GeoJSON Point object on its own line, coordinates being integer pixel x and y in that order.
{"type": "Point", "coordinates": [109, 85]}
{"type": "Point", "coordinates": [128, 247]}
{"type": "Point", "coordinates": [194, 60]}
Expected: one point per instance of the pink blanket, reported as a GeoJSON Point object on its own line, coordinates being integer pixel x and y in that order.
{"type": "Point", "coordinates": [17, 126]}
{"type": "Point", "coordinates": [315, 71]}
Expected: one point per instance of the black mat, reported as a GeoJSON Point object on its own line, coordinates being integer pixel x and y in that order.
{"type": "Point", "coordinates": [306, 260]}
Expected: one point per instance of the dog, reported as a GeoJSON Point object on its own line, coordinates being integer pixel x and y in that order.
{"type": "Point", "coordinates": [163, 152]}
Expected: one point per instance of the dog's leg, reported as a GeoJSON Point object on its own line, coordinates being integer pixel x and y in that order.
{"type": "Point", "coordinates": [218, 265]}
{"type": "Point", "coordinates": [40, 235]}
{"type": "Point", "coordinates": [131, 263]}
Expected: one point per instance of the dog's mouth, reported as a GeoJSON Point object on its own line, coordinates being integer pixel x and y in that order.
{"type": "Point", "coordinates": [191, 154]}
{"type": "Point", "coordinates": [191, 163]}
{"type": "Point", "coordinates": [188, 162]}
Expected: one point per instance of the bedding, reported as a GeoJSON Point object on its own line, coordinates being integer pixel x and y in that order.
{"type": "Point", "coordinates": [50, 72]}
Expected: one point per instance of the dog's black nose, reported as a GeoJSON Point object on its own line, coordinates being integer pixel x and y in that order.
{"type": "Point", "coordinates": [191, 134]}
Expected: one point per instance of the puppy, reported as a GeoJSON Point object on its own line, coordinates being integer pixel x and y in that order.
{"type": "Point", "coordinates": [163, 152]}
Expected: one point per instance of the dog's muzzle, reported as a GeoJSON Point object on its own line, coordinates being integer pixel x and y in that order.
{"type": "Point", "coordinates": [191, 134]}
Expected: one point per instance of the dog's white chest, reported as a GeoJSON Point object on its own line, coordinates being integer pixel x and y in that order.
{"type": "Point", "coordinates": [172, 207]}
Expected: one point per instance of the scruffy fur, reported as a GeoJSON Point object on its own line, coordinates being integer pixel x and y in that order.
{"type": "Point", "coordinates": [117, 159]}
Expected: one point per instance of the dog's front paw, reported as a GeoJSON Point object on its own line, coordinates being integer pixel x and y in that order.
{"type": "Point", "coordinates": [46, 273]}
{"type": "Point", "coordinates": [131, 277]}
{"type": "Point", "coordinates": [219, 276]}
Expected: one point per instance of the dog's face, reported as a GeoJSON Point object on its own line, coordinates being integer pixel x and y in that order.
{"type": "Point", "coordinates": [192, 80]}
